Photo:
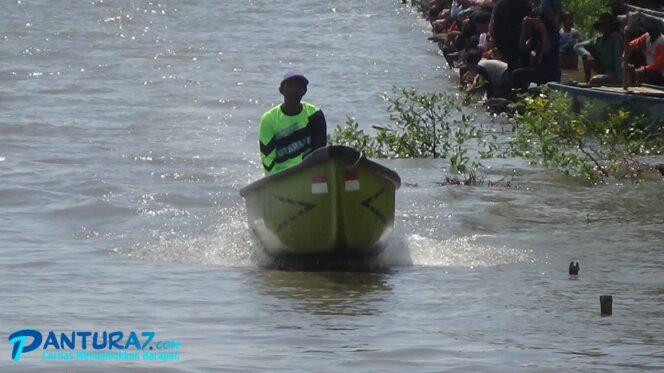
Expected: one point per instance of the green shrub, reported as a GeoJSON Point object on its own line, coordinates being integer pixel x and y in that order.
{"type": "Point", "coordinates": [421, 125]}
{"type": "Point", "coordinates": [546, 131]}
{"type": "Point", "coordinates": [351, 135]}
{"type": "Point", "coordinates": [549, 133]}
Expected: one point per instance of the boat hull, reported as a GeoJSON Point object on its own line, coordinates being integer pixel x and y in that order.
{"type": "Point", "coordinates": [611, 98]}
{"type": "Point", "coordinates": [335, 204]}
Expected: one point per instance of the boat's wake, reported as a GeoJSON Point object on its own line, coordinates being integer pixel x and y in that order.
{"type": "Point", "coordinates": [230, 244]}
{"type": "Point", "coordinates": [411, 250]}
{"type": "Point", "coordinates": [468, 251]}
{"type": "Point", "coordinates": [226, 244]}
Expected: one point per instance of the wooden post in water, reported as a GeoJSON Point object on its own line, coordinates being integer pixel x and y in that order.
{"type": "Point", "coordinates": [606, 304]}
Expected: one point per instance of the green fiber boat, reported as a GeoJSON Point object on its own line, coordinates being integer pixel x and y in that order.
{"type": "Point", "coordinates": [336, 204]}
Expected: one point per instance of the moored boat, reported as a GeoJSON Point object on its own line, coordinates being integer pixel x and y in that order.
{"type": "Point", "coordinates": [644, 100]}
{"type": "Point", "coordinates": [335, 204]}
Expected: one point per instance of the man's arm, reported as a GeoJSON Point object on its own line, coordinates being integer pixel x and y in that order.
{"type": "Point", "coordinates": [585, 48]}
{"type": "Point", "coordinates": [658, 63]}
{"type": "Point", "coordinates": [318, 130]}
{"type": "Point", "coordinates": [267, 142]}
{"type": "Point", "coordinates": [639, 42]}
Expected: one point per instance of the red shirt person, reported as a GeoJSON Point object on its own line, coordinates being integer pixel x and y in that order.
{"type": "Point", "coordinates": [652, 45]}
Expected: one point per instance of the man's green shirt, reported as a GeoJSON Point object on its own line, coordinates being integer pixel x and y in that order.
{"type": "Point", "coordinates": [286, 139]}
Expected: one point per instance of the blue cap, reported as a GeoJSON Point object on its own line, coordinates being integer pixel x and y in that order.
{"type": "Point", "coordinates": [295, 74]}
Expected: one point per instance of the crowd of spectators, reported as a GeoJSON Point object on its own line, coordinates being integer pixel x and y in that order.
{"type": "Point", "coordinates": [508, 46]}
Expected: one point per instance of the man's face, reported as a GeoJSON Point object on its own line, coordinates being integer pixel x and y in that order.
{"type": "Point", "coordinates": [293, 88]}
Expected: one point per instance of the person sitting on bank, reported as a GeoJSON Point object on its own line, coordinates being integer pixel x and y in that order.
{"type": "Point", "coordinates": [477, 24]}
{"type": "Point", "coordinates": [602, 53]}
{"type": "Point", "coordinates": [651, 44]}
{"type": "Point", "coordinates": [491, 75]}
{"type": "Point", "coordinates": [291, 130]}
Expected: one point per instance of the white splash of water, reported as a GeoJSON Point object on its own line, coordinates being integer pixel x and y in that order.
{"type": "Point", "coordinates": [469, 251]}
{"type": "Point", "coordinates": [228, 244]}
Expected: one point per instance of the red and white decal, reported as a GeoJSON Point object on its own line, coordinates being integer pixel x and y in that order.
{"type": "Point", "coordinates": [318, 184]}
{"type": "Point", "coordinates": [352, 182]}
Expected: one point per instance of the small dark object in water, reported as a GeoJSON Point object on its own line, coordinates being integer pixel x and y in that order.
{"type": "Point", "coordinates": [606, 304]}
{"type": "Point", "coordinates": [573, 269]}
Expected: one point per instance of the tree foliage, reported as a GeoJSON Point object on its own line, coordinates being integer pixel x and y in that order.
{"type": "Point", "coordinates": [585, 13]}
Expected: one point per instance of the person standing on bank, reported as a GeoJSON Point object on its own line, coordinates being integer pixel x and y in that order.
{"type": "Point", "coordinates": [291, 130]}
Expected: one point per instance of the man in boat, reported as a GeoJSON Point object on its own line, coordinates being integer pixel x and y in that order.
{"type": "Point", "coordinates": [651, 45]}
{"type": "Point", "coordinates": [602, 53]}
{"type": "Point", "coordinates": [291, 130]}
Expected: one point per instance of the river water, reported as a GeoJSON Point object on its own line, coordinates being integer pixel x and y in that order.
{"type": "Point", "coordinates": [127, 128]}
